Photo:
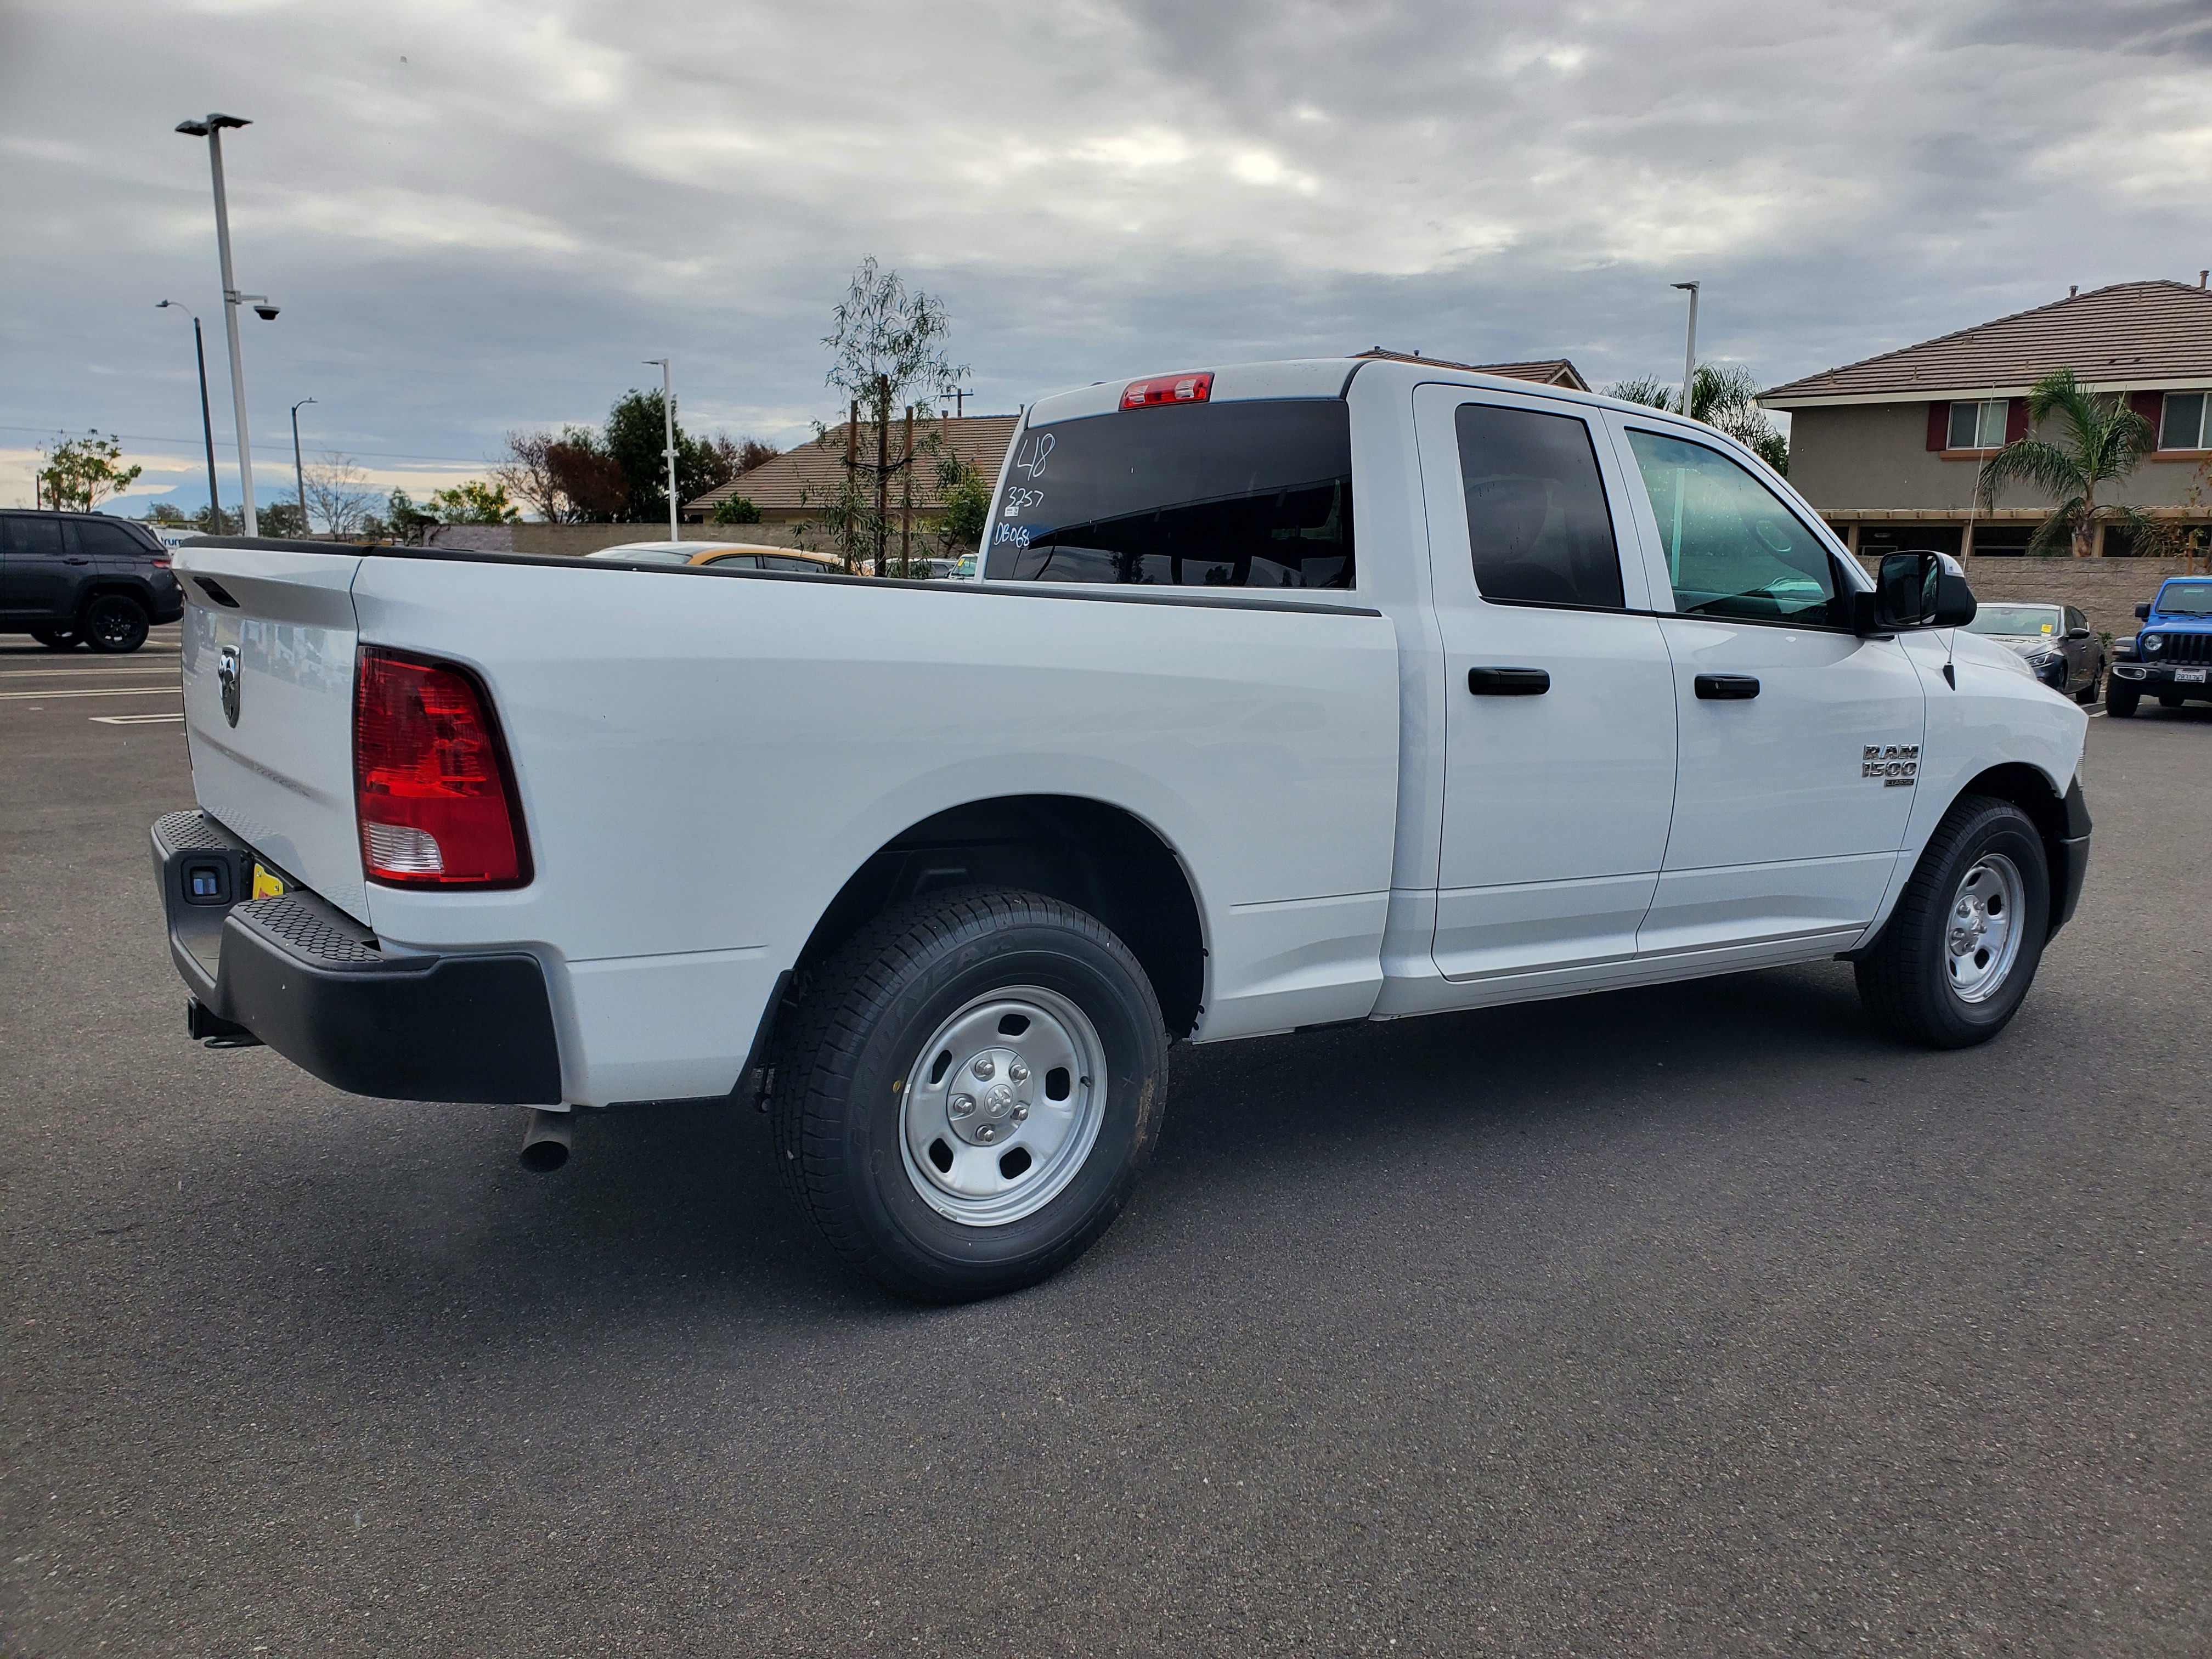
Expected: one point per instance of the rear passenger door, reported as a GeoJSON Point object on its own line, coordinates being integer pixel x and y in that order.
{"type": "Point", "coordinates": [41, 576]}
{"type": "Point", "coordinates": [1559, 719]}
{"type": "Point", "coordinates": [1800, 740]}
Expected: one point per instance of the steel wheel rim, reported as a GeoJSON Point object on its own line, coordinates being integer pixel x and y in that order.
{"type": "Point", "coordinates": [1982, 930]}
{"type": "Point", "coordinates": [981, 1091]}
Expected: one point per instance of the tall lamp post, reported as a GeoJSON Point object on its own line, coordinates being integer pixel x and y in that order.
{"type": "Point", "coordinates": [1690, 350]}
{"type": "Point", "coordinates": [668, 438]}
{"type": "Point", "coordinates": [211, 130]}
{"type": "Point", "coordinates": [207, 421]}
{"type": "Point", "coordinates": [298, 472]}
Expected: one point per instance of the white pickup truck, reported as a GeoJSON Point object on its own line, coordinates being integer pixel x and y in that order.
{"type": "Point", "coordinates": [1291, 694]}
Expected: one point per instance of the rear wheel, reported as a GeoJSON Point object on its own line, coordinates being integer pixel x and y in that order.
{"type": "Point", "coordinates": [968, 1090]}
{"type": "Point", "coordinates": [58, 639]}
{"type": "Point", "coordinates": [2120, 700]}
{"type": "Point", "coordinates": [2167, 700]}
{"type": "Point", "coordinates": [1962, 948]}
{"type": "Point", "coordinates": [114, 622]}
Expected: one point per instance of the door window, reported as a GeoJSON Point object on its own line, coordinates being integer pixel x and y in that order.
{"type": "Point", "coordinates": [2075, 619]}
{"type": "Point", "coordinates": [1733, 549]}
{"type": "Point", "coordinates": [35, 538]}
{"type": "Point", "coordinates": [1537, 524]}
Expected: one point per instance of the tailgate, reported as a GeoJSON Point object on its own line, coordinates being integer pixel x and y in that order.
{"type": "Point", "coordinates": [268, 643]}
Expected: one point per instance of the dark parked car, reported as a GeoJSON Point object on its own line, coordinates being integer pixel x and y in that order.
{"type": "Point", "coordinates": [72, 577]}
{"type": "Point", "coordinates": [2059, 646]}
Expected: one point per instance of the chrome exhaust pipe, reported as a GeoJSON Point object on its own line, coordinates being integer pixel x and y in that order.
{"type": "Point", "coordinates": [545, 1142]}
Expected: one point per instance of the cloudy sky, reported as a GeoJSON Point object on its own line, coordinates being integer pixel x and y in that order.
{"type": "Point", "coordinates": [482, 216]}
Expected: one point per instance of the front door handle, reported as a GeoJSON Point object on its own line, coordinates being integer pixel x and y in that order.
{"type": "Point", "coordinates": [1728, 687]}
{"type": "Point", "coordinates": [74, 559]}
{"type": "Point", "coordinates": [1508, 682]}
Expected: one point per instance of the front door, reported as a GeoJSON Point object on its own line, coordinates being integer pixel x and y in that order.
{"type": "Point", "coordinates": [1800, 740]}
{"type": "Point", "coordinates": [1559, 719]}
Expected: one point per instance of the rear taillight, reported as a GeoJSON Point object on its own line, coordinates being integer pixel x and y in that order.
{"type": "Point", "coordinates": [432, 789]}
{"type": "Point", "coordinates": [1167, 389]}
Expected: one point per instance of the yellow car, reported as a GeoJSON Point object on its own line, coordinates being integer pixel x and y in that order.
{"type": "Point", "coordinates": [742, 556]}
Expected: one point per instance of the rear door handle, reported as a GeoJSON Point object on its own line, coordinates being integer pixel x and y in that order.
{"type": "Point", "coordinates": [1726, 687]}
{"type": "Point", "coordinates": [1508, 682]}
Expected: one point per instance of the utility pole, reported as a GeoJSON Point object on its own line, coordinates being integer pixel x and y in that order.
{"type": "Point", "coordinates": [852, 473]}
{"type": "Point", "coordinates": [668, 440]}
{"type": "Point", "coordinates": [883, 474]}
{"type": "Point", "coordinates": [959, 395]}
{"type": "Point", "coordinates": [1689, 351]}
{"type": "Point", "coordinates": [298, 472]}
{"type": "Point", "coordinates": [211, 130]}
{"type": "Point", "coordinates": [906, 501]}
{"type": "Point", "coordinates": [207, 421]}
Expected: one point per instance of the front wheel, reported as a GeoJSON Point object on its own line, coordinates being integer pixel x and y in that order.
{"type": "Point", "coordinates": [2120, 700]}
{"type": "Point", "coordinates": [114, 623]}
{"type": "Point", "coordinates": [968, 1090]}
{"type": "Point", "coordinates": [1962, 948]}
{"type": "Point", "coordinates": [58, 639]}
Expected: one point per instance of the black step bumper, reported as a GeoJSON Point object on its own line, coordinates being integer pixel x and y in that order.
{"type": "Point", "coordinates": [317, 987]}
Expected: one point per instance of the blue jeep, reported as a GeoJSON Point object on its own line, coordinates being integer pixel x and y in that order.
{"type": "Point", "coordinates": [2171, 656]}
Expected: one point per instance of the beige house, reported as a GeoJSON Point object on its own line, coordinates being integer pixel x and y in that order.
{"type": "Point", "coordinates": [1890, 450]}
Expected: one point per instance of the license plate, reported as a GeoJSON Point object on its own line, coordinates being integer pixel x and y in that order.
{"type": "Point", "coordinates": [267, 884]}
{"type": "Point", "coordinates": [2189, 676]}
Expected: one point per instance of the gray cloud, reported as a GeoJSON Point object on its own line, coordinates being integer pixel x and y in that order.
{"type": "Point", "coordinates": [479, 218]}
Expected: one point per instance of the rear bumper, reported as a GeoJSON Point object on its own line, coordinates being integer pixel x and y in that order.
{"type": "Point", "coordinates": [317, 987]}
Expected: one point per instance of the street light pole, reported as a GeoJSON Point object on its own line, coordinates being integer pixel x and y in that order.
{"type": "Point", "coordinates": [668, 438]}
{"type": "Point", "coordinates": [211, 130]}
{"type": "Point", "coordinates": [207, 421]}
{"type": "Point", "coordinates": [298, 472]}
{"type": "Point", "coordinates": [1690, 350]}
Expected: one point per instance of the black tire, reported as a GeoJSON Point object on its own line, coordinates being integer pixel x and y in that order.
{"type": "Point", "coordinates": [113, 623]}
{"type": "Point", "coordinates": [2169, 701]}
{"type": "Point", "coordinates": [841, 1071]}
{"type": "Point", "coordinates": [2087, 698]}
{"type": "Point", "coordinates": [58, 639]}
{"type": "Point", "coordinates": [1904, 979]}
{"type": "Point", "coordinates": [2120, 700]}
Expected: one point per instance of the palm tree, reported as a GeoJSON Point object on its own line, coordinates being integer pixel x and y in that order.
{"type": "Point", "coordinates": [1725, 396]}
{"type": "Point", "coordinates": [2102, 440]}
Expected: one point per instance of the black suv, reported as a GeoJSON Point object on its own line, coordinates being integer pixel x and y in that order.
{"type": "Point", "coordinates": [67, 577]}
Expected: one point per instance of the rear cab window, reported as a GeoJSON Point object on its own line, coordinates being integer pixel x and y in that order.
{"type": "Point", "coordinates": [1237, 494]}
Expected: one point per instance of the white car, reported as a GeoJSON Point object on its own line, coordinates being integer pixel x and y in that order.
{"type": "Point", "coordinates": [1289, 694]}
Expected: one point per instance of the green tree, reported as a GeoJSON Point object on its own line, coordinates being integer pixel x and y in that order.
{"type": "Point", "coordinates": [282, 520]}
{"type": "Point", "coordinates": [634, 441]}
{"type": "Point", "coordinates": [473, 502]}
{"type": "Point", "coordinates": [79, 472]}
{"type": "Point", "coordinates": [406, 521]}
{"type": "Point", "coordinates": [1725, 396]}
{"type": "Point", "coordinates": [736, 509]}
{"type": "Point", "coordinates": [2101, 441]}
{"type": "Point", "coordinates": [885, 345]}
{"type": "Point", "coordinates": [167, 512]}
{"type": "Point", "coordinates": [966, 498]}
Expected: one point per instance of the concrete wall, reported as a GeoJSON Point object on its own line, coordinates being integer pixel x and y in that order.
{"type": "Point", "coordinates": [1876, 455]}
{"type": "Point", "coordinates": [2106, 590]}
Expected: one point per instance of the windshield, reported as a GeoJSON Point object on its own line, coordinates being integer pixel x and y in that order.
{"type": "Point", "coordinates": [2018, 619]}
{"type": "Point", "coordinates": [1229, 495]}
{"type": "Point", "coordinates": [2186, 599]}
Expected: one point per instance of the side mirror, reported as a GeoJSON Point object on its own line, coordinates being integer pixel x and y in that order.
{"type": "Point", "coordinates": [1922, 590]}
{"type": "Point", "coordinates": [2077, 633]}
{"type": "Point", "coordinates": [2142, 613]}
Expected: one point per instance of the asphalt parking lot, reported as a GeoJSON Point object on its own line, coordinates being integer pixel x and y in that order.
{"type": "Point", "coordinates": [1694, 1320]}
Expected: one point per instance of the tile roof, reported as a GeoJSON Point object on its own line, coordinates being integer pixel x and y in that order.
{"type": "Point", "coordinates": [1551, 371]}
{"type": "Point", "coordinates": [805, 480]}
{"type": "Point", "coordinates": [2127, 333]}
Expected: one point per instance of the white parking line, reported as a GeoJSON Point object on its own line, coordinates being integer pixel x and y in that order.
{"type": "Point", "coordinates": [97, 691]}
{"type": "Point", "coordinates": [132, 720]}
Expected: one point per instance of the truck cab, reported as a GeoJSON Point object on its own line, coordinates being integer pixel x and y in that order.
{"type": "Point", "coordinates": [2171, 656]}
